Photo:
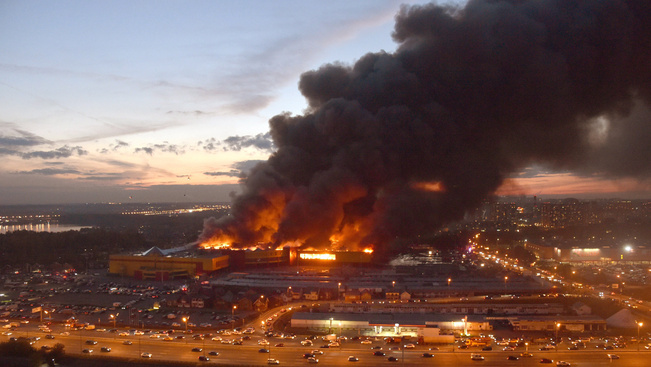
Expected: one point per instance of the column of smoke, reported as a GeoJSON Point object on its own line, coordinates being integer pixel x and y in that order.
{"type": "Point", "coordinates": [401, 143]}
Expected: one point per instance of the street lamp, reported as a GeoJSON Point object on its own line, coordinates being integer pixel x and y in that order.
{"type": "Point", "coordinates": [185, 320]}
{"type": "Point", "coordinates": [114, 318]}
{"type": "Point", "coordinates": [558, 326]}
{"type": "Point", "coordinates": [505, 279]}
{"type": "Point", "coordinates": [330, 329]}
{"type": "Point", "coordinates": [449, 280]}
{"type": "Point", "coordinates": [639, 325]}
{"type": "Point", "coordinates": [233, 316]}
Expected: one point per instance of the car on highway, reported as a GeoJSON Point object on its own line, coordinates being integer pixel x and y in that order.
{"type": "Point", "coordinates": [204, 359]}
{"type": "Point", "coordinates": [366, 342]}
{"type": "Point", "coordinates": [613, 356]}
{"type": "Point", "coordinates": [312, 360]}
{"type": "Point", "coordinates": [213, 353]}
{"type": "Point", "coordinates": [105, 349]}
{"type": "Point", "coordinates": [352, 359]}
{"type": "Point", "coordinates": [526, 354]}
{"type": "Point", "coordinates": [263, 350]}
{"type": "Point", "coordinates": [308, 355]}
{"type": "Point", "coordinates": [563, 364]}
{"type": "Point", "coordinates": [127, 342]}
{"type": "Point", "coordinates": [91, 342]}
{"type": "Point", "coordinates": [87, 351]}
{"type": "Point", "coordinates": [273, 361]}
{"type": "Point", "coordinates": [392, 359]}
{"type": "Point", "coordinates": [316, 352]}
{"type": "Point", "coordinates": [476, 357]}
{"type": "Point", "coordinates": [145, 355]}
{"type": "Point", "coordinates": [410, 346]}
{"type": "Point", "coordinates": [196, 349]}
{"type": "Point", "coordinates": [546, 360]}
{"type": "Point", "coordinates": [379, 354]}
{"type": "Point", "coordinates": [487, 348]}
{"type": "Point", "coordinates": [512, 358]}
{"type": "Point", "coordinates": [428, 355]}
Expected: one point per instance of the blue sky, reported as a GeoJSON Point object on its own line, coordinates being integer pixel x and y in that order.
{"type": "Point", "coordinates": [111, 101]}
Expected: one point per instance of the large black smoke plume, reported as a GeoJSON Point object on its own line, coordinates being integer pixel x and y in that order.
{"type": "Point", "coordinates": [401, 143]}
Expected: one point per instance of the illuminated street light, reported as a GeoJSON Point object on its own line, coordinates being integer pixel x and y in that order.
{"type": "Point", "coordinates": [233, 316]}
{"type": "Point", "coordinates": [558, 326]}
{"type": "Point", "coordinates": [185, 320]}
{"type": "Point", "coordinates": [449, 280]}
{"type": "Point", "coordinates": [639, 325]}
{"type": "Point", "coordinates": [114, 318]}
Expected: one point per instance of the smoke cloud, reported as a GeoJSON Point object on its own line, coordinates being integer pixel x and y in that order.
{"type": "Point", "coordinates": [401, 143]}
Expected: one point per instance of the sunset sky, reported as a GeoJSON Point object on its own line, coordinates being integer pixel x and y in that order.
{"type": "Point", "coordinates": [169, 101]}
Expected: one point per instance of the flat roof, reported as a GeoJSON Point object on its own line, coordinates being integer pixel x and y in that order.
{"type": "Point", "coordinates": [387, 318]}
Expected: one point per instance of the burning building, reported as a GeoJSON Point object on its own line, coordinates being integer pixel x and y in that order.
{"type": "Point", "coordinates": [401, 143]}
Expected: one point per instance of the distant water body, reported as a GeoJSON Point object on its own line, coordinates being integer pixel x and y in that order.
{"type": "Point", "coordinates": [40, 227]}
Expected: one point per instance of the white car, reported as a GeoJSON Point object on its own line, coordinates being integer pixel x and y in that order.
{"type": "Point", "coordinates": [410, 346]}
{"type": "Point", "coordinates": [352, 359]}
{"type": "Point", "coordinates": [476, 357]}
{"type": "Point", "coordinates": [312, 360]}
{"type": "Point", "coordinates": [263, 342]}
{"type": "Point", "coordinates": [145, 355]}
{"type": "Point", "coordinates": [273, 361]}
{"type": "Point", "coordinates": [613, 356]}
{"type": "Point", "coordinates": [306, 343]}
{"type": "Point", "coordinates": [563, 364]}
{"type": "Point", "coordinates": [366, 342]}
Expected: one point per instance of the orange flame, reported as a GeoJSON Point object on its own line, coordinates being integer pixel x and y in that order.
{"type": "Point", "coordinates": [436, 186]}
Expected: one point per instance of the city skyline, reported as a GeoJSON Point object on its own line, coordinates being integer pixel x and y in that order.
{"type": "Point", "coordinates": [164, 102]}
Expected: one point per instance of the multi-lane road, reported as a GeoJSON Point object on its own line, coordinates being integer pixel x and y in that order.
{"type": "Point", "coordinates": [291, 354]}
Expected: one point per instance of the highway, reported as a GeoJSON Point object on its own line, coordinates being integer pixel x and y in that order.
{"type": "Point", "coordinates": [291, 353]}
